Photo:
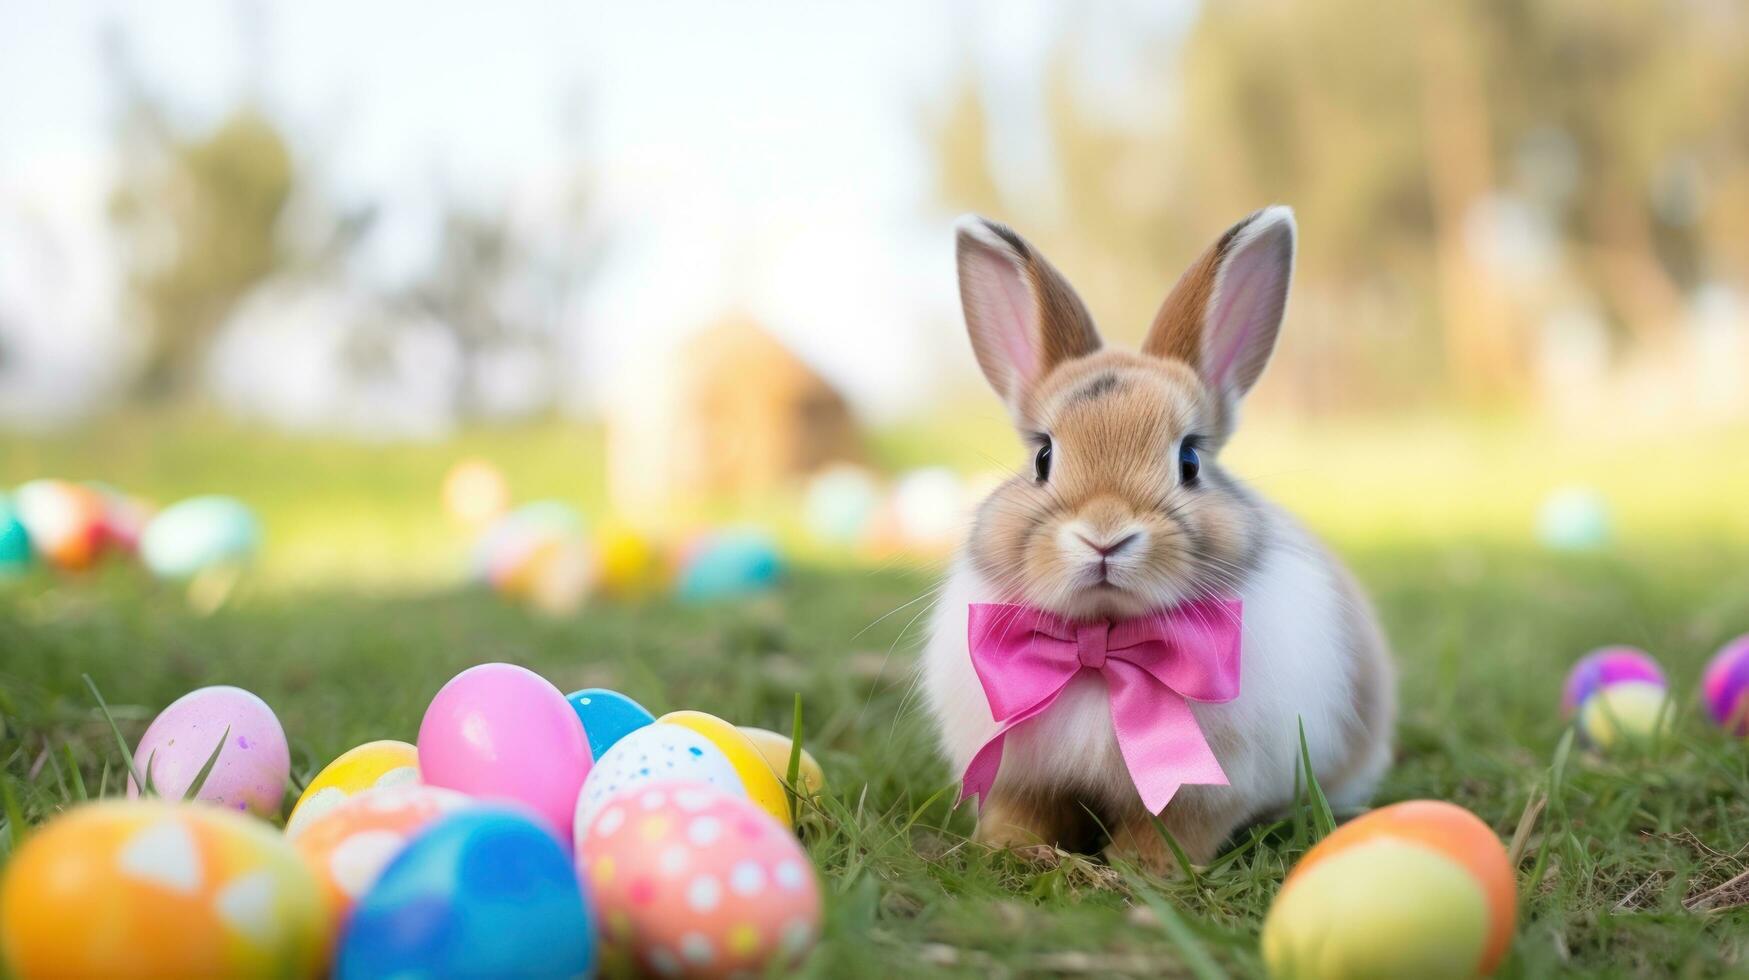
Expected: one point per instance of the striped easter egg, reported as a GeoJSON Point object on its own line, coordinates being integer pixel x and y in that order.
{"type": "Point", "coordinates": [1604, 667]}
{"type": "Point", "coordinates": [1725, 686]}
{"type": "Point", "coordinates": [1419, 889]}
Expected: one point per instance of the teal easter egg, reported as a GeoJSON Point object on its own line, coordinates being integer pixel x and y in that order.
{"type": "Point", "coordinates": [1574, 519]}
{"type": "Point", "coordinates": [483, 892]}
{"type": "Point", "coordinates": [841, 503]}
{"type": "Point", "coordinates": [197, 534]}
{"type": "Point", "coordinates": [730, 564]}
{"type": "Point", "coordinates": [607, 717]}
{"type": "Point", "coordinates": [14, 540]}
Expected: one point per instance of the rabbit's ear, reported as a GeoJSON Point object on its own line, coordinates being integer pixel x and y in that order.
{"type": "Point", "coordinates": [1223, 316]}
{"type": "Point", "coordinates": [1023, 316]}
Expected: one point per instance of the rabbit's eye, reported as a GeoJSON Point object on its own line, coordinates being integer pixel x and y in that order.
{"type": "Point", "coordinates": [1041, 463]}
{"type": "Point", "coordinates": [1189, 463]}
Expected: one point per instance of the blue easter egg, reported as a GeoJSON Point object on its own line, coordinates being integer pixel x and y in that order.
{"type": "Point", "coordinates": [730, 564]}
{"type": "Point", "coordinates": [483, 892]}
{"type": "Point", "coordinates": [607, 717]}
{"type": "Point", "coordinates": [14, 540]}
{"type": "Point", "coordinates": [199, 533]}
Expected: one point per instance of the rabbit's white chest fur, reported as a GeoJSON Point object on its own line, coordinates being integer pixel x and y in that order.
{"type": "Point", "coordinates": [1295, 664]}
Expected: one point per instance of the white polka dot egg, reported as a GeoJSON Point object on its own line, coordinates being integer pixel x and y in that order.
{"type": "Point", "coordinates": [691, 881]}
{"type": "Point", "coordinates": [653, 753]}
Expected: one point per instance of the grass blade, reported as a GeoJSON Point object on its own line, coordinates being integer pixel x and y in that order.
{"type": "Point", "coordinates": [1178, 853]}
{"type": "Point", "coordinates": [14, 812]}
{"type": "Point", "coordinates": [78, 777]}
{"type": "Point", "coordinates": [1323, 821]}
{"type": "Point", "coordinates": [1196, 959]}
{"type": "Point", "coordinates": [127, 756]}
{"type": "Point", "coordinates": [207, 770]}
{"type": "Point", "coordinates": [793, 773]}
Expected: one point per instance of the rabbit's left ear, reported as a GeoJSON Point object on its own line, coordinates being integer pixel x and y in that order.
{"type": "Point", "coordinates": [1223, 316]}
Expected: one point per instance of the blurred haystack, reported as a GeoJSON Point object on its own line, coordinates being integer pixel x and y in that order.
{"type": "Point", "coordinates": [738, 415]}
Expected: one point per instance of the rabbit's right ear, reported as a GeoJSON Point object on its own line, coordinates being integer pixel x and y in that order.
{"type": "Point", "coordinates": [1023, 316]}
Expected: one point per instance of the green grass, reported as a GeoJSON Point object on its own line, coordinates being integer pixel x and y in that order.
{"type": "Point", "coordinates": [1484, 626]}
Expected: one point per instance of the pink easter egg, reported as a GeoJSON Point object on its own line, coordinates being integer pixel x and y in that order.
{"type": "Point", "coordinates": [1604, 667]}
{"type": "Point", "coordinates": [695, 882]}
{"type": "Point", "coordinates": [252, 768]}
{"type": "Point", "coordinates": [1725, 686]}
{"type": "Point", "coordinates": [502, 732]}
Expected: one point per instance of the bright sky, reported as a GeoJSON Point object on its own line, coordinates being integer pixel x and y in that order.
{"type": "Point", "coordinates": [754, 156]}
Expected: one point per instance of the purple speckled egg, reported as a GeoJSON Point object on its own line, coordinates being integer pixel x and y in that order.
{"type": "Point", "coordinates": [1606, 666]}
{"type": "Point", "coordinates": [1725, 686]}
{"type": "Point", "coordinates": [252, 769]}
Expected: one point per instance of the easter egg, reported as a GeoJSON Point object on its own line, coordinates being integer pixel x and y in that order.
{"type": "Point", "coordinates": [502, 732]}
{"type": "Point", "coordinates": [1628, 712]}
{"type": "Point", "coordinates": [695, 882]}
{"type": "Point", "coordinates": [150, 888]}
{"type": "Point", "coordinates": [481, 892]}
{"type": "Point", "coordinates": [929, 506]}
{"type": "Point", "coordinates": [558, 576]}
{"type": "Point", "coordinates": [1574, 519]}
{"type": "Point", "coordinates": [14, 540]}
{"type": "Point", "coordinates": [631, 564]}
{"type": "Point", "coordinates": [197, 534]}
{"type": "Point", "coordinates": [124, 518]}
{"type": "Point", "coordinates": [729, 564]}
{"type": "Point", "coordinates": [517, 550]}
{"type": "Point", "coordinates": [840, 503]}
{"type": "Point", "coordinates": [1725, 686]}
{"type": "Point", "coordinates": [1417, 889]}
{"type": "Point", "coordinates": [1603, 667]}
{"type": "Point", "coordinates": [474, 492]}
{"type": "Point", "coordinates": [348, 847]}
{"type": "Point", "coordinates": [64, 521]}
{"type": "Point", "coordinates": [607, 717]}
{"type": "Point", "coordinates": [775, 748]}
{"type": "Point", "coordinates": [373, 764]}
{"type": "Point", "coordinates": [252, 768]}
{"type": "Point", "coordinates": [763, 787]}
{"type": "Point", "coordinates": [654, 753]}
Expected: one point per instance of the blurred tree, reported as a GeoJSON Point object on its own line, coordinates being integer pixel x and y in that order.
{"type": "Point", "coordinates": [198, 215]}
{"type": "Point", "coordinates": [1460, 169]}
{"type": "Point", "coordinates": [497, 288]}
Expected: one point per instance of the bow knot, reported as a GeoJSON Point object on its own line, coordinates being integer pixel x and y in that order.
{"type": "Point", "coordinates": [1153, 667]}
{"type": "Point", "coordinates": [1090, 643]}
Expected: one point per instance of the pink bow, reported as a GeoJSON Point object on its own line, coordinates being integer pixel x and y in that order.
{"type": "Point", "coordinates": [1153, 666]}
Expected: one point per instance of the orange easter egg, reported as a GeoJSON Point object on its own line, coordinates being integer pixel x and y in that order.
{"type": "Point", "coordinates": [150, 888]}
{"type": "Point", "coordinates": [348, 847]}
{"type": "Point", "coordinates": [1422, 888]}
{"type": "Point", "coordinates": [65, 521]}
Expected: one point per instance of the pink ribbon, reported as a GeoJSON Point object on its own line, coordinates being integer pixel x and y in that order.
{"type": "Point", "coordinates": [1153, 666]}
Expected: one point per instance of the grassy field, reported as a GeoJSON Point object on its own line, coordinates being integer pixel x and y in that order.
{"type": "Point", "coordinates": [354, 622]}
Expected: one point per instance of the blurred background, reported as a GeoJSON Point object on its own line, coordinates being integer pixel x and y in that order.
{"type": "Point", "coordinates": [687, 264]}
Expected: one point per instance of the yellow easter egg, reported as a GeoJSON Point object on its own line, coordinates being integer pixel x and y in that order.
{"type": "Point", "coordinates": [1384, 908]}
{"type": "Point", "coordinates": [151, 888]}
{"type": "Point", "coordinates": [775, 748]}
{"type": "Point", "coordinates": [1626, 713]}
{"type": "Point", "coordinates": [632, 566]}
{"type": "Point", "coordinates": [763, 786]}
{"type": "Point", "coordinates": [368, 766]}
{"type": "Point", "coordinates": [1419, 888]}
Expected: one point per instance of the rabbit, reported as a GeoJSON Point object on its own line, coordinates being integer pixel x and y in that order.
{"type": "Point", "coordinates": [1123, 507]}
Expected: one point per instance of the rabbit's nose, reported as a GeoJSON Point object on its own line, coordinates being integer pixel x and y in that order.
{"type": "Point", "coordinates": [1112, 546]}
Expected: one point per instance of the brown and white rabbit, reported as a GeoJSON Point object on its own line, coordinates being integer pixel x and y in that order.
{"type": "Point", "coordinates": [1122, 508]}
